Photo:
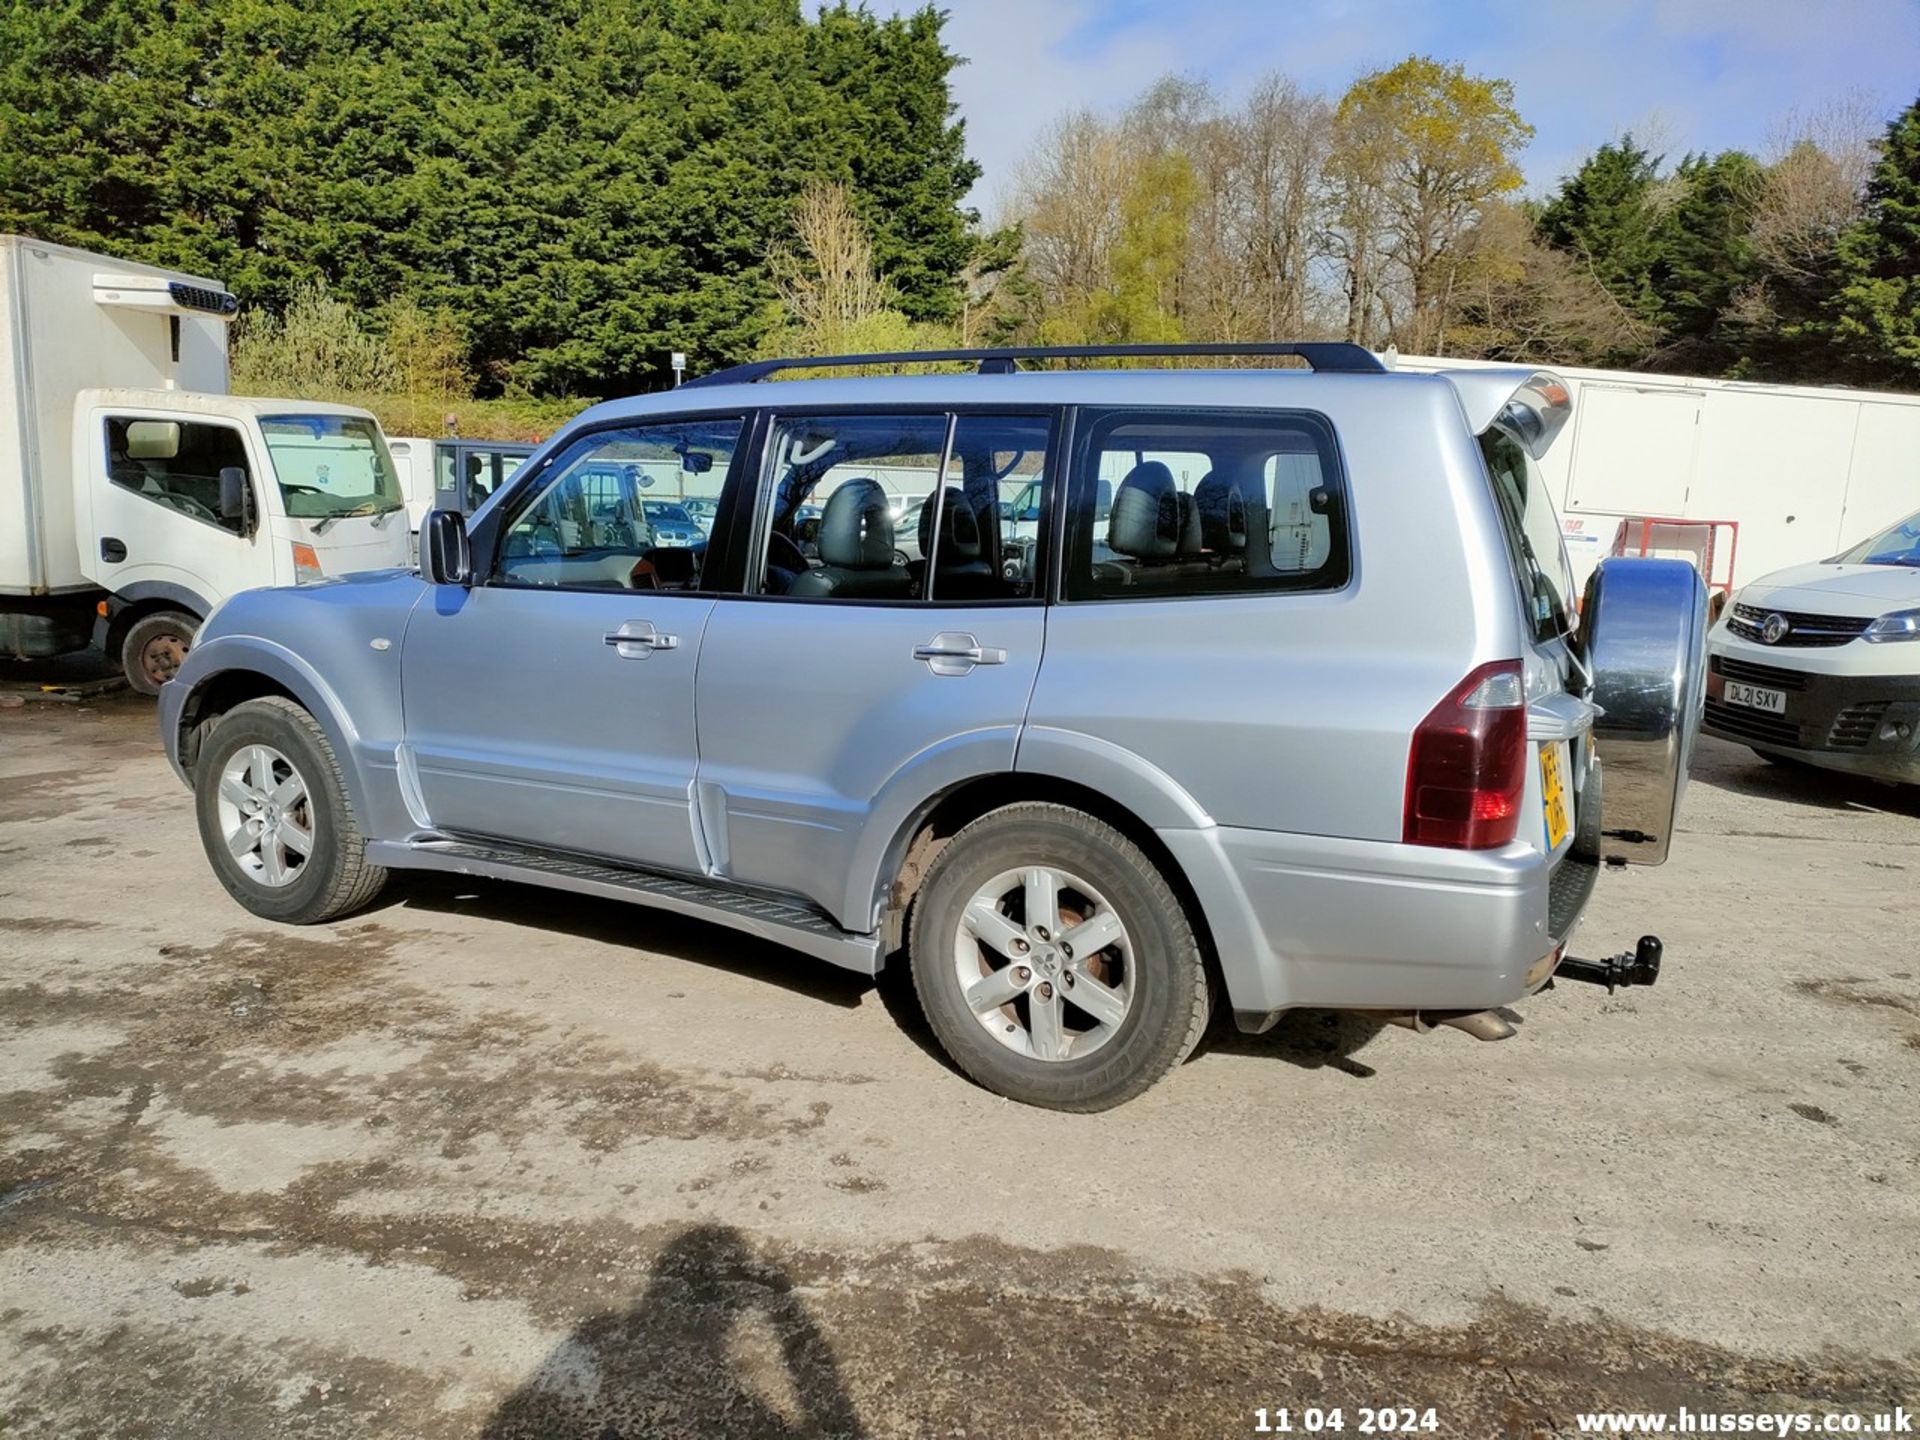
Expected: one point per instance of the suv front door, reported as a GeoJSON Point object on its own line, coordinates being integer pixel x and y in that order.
{"type": "Point", "coordinates": [551, 704]}
{"type": "Point", "coordinates": [855, 680]}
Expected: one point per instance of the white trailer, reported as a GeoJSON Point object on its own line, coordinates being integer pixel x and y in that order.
{"type": "Point", "coordinates": [1804, 471]}
{"type": "Point", "coordinates": [135, 493]}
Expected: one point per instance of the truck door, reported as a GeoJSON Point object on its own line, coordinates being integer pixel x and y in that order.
{"type": "Point", "coordinates": [154, 527]}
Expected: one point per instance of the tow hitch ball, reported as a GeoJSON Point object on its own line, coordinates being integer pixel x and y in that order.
{"type": "Point", "coordinates": [1642, 967]}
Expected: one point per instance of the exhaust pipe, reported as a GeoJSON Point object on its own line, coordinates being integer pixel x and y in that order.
{"type": "Point", "coordinates": [1642, 967]}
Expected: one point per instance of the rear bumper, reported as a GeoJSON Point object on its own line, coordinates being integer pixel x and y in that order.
{"type": "Point", "coordinates": [1303, 920]}
{"type": "Point", "coordinates": [1850, 723]}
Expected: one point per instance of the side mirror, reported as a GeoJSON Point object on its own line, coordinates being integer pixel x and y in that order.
{"type": "Point", "coordinates": [446, 557]}
{"type": "Point", "coordinates": [236, 497]}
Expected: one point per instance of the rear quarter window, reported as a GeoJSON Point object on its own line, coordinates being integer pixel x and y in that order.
{"type": "Point", "coordinates": [1205, 502]}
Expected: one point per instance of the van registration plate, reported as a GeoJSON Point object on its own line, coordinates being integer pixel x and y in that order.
{"type": "Point", "coordinates": [1553, 792]}
{"type": "Point", "coordinates": [1756, 697]}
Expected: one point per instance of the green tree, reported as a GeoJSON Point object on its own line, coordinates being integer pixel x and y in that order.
{"type": "Point", "coordinates": [1420, 151]}
{"type": "Point", "coordinates": [1704, 256]}
{"type": "Point", "coordinates": [584, 184]}
{"type": "Point", "coordinates": [1604, 216]}
{"type": "Point", "coordinates": [1877, 308]}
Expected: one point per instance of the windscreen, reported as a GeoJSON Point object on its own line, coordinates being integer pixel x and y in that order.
{"type": "Point", "coordinates": [1898, 544]}
{"type": "Point", "coordinates": [331, 466]}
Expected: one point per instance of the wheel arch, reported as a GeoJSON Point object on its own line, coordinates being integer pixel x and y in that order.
{"type": "Point", "coordinates": [916, 843]}
{"type": "Point", "coordinates": [144, 598]}
{"type": "Point", "coordinates": [232, 670]}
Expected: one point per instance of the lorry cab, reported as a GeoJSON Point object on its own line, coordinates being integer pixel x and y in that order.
{"type": "Point", "coordinates": [452, 473]}
{"type": "Point", "coordinates": [191, 498]}
{"type": "Point", "coordinates": [136, 494]}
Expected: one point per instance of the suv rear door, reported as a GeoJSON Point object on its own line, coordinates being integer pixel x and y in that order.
{"type": "Point", "coordinates": [864, 671]}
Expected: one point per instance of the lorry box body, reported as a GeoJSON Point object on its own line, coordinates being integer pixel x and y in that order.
{"type": "Point", "coordinates": [62, 332]}
{"type": "Point", "coordinates": [1803, 470]}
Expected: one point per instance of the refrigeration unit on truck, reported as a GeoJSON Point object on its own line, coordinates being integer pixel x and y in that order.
{"type": "Point", "coordinates": [135, 493]}
{"type": "Point", "coordinates": [1784, 473]}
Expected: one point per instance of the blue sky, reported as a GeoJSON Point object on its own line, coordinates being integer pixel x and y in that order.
{"type": "Point", "coordinates": [1699, 74]}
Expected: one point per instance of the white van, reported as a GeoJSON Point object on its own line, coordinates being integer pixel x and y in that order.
{"type": "Point", "coordinates": [135, 493]}
{"type": "Point", "coordinates": [1820, 664]}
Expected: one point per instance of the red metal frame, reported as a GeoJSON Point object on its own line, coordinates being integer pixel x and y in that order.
{"type": "Point", "coordinates": [1712, 527]}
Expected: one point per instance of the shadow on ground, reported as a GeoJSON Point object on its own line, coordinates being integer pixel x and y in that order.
{"type": "Point", "coordinates": [616, 922]}
{"type": "Point", "coordinates": [718, 1346]}
{"type": "Point", "coordinates": [1739, 771]}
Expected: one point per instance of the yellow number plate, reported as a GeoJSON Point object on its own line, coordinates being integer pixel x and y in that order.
{"type": "Point", "coordinates": [1553, 792]}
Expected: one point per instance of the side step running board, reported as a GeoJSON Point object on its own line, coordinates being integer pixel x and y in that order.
{"type": "Point", "coordinates": [779, 921]}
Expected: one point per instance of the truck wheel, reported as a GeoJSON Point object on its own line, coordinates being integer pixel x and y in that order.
{"type": "Point", "coordinates": [153, 648]}
{"type": "Point", "coordinates": [275, 818]}
{"type": "Point", "coordinates": [1054, 962]}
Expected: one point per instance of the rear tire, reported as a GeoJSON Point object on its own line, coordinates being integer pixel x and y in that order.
{"type": "Point", "coordinates": [275, 818]}
{"type": "Point", "coordinates": [1021, 1008]}
{"type": "Point", "coordinates": [154, 646]}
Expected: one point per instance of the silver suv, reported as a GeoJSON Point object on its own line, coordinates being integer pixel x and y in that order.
{"type": "Point", "coordinates": [1279, 696]}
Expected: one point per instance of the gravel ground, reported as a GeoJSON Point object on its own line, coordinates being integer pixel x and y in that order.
{"type": "Point", "coordinates": [488, 1160]}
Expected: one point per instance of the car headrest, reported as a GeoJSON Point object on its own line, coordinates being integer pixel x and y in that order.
{"type": "Point", "coordinates": [1151, 519]}
{"type": "Point", "coordinates": [1223, 514]}
{"type": "Point", "coordinates": [856, 530]}
{"type": "Point", "coordinates": [153, 439]}
{"type": "Point", "coordinates": [959, 528]}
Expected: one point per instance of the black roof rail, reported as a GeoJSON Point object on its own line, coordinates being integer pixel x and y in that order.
{"type": "Point", "coordinates": [1328, 355]}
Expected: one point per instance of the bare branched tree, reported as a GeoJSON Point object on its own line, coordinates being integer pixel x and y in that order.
{"type": "Point", "coordinates": [1814, 184]}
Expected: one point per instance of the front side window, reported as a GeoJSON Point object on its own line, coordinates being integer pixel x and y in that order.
{"type": "Point", "coordinates": [176, 464]}
{"type": "Point", "coordinates": [1205, 502]}
{"type": "Point", "coordinates": [1532, 528]}
{"type": "Point", "coordinates": [613, 514]}
{"type": "Point", "coordinates": [331, 466]}
{"type": "Point", "coordinates": [1898, 544]}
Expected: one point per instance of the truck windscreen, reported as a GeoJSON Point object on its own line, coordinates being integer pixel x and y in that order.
{"type": "Point", "coordinates": [331, 466]}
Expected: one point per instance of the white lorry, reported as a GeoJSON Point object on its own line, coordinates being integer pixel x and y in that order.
{"type": "Point", "coordinates": [1803, 471]}
{"type": "Point", "coordinates": [135, 493]}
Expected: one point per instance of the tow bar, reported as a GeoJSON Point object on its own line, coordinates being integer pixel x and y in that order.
{"type": "Point", "coordinates": [1642, 967]}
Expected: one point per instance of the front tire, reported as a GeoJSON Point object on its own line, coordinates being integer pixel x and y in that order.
{"type": "Point", "coordinates": [1054, 962]}
{"type": "Point", "coordinates": [275, 818]}
{"type": "Point", "coordinates": [154, 646]}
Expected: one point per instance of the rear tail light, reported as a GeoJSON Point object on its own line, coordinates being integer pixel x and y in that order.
{"type": "Point", "coordinates": [1467, 772]}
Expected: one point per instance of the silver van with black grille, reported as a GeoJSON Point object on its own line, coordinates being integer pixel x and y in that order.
{"type": "Point", "coordinates": [1257, 688]}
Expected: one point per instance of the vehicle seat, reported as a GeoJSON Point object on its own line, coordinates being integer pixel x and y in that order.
{"type": "Point", "coordinates": [856, 548]}
{"type": "Point", "coordinates": [960, 570]}
{"type": "Point", "coordinates": [1222, 506]}
{"type": "Point", "coordinates": [1153, 525]}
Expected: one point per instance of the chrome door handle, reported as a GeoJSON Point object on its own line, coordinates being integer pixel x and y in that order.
{"type": "Point", "coordinates": [953, 652]}
{"type": "Point", "coordinates": [637, 639]}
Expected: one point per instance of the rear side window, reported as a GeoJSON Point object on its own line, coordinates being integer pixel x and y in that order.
{"type": "Point", "coordinates": [1532, 528]}
{"type": "Point", "coordinates": [1205, 502]}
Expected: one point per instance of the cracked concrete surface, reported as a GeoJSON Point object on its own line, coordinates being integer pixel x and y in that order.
{"type": "Point", "coordinates": [494, 1161]}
